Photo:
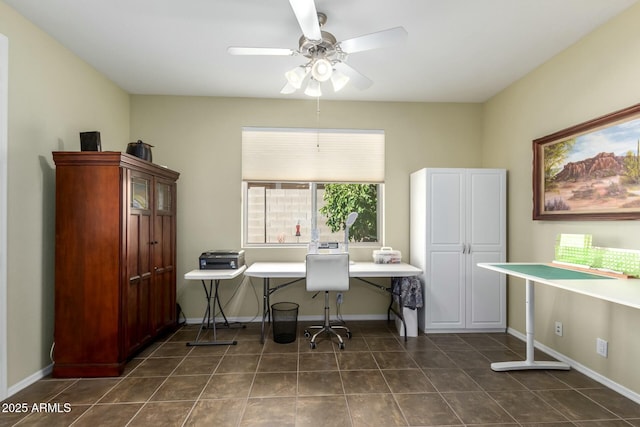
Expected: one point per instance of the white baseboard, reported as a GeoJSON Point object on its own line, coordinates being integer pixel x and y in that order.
{"type": "Point", "coordinates": [31, 379]}
{"type": "Point", "coordinates": [464, 331]}
{"type": "Point", "coordinates": [581, 368]}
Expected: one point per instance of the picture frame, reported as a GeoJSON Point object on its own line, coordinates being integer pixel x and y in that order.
{"type": "Point", "coordinates": [590, 171]}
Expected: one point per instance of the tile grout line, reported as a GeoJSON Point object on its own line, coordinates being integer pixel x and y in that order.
{"type": "Point", "coordinates": [164, 381]}
{"type": "Point", "coordinates": [447, 348]}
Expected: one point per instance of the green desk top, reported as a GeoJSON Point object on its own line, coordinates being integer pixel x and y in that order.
{"type": "Point", "coordinates": [550, 273]}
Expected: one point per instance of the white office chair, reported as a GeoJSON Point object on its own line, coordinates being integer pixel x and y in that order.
{"type": "Point", "coordinates": [327, 272]}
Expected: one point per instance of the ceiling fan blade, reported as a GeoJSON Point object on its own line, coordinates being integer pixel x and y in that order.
{"type": "Point", "coordinates": [375, 40]}
{"type": "Point", "coordinates": [268, 51]}
{"type": "Point", "coordinates": [307, 16]}
{"type": "Point", "coordinates": [355, 77]}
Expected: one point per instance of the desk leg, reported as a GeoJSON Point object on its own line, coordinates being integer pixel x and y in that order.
{"type": "Point", "coordinates": [529, 363]}
{"type": "Point", "coordinates": [209, 318]}
{"type": "Point", "coordinates": [265, 307]}
{"type": "Point", "coordinates": [400, 312]}
{"type": "Point", "coordinates": [226, 323]}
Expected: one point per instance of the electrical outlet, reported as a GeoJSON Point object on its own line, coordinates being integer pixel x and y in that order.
{"type": "Point", "coordinates": [339, 298]}
{"type": "Point", "coordinates": [602, 347]}
{"type": "Point", "coordinates": [558, 328]}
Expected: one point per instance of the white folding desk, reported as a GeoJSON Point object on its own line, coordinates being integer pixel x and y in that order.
{"type": "Point", "coordinates": [297, 271]}
{"type": "Point", "coordinates": [620, 291]}
{"type": "Point", "coordinates": [209, 318]}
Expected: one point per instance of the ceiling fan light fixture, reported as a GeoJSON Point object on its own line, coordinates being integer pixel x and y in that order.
{"type": "Point", "coordinates": [321, 70]}
{"type": "Point", "coordinates": [339, 80]}
{"type": "Point", "coordinates": [296, 75]}
{"type": "Point", "coordinates": [288, 89]}
{"type": "Point", "coordinates": [326, 57]}
{"type": "Point", "coordinates": [313, 88]}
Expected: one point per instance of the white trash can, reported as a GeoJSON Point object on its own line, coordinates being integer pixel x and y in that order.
{"type": "Point", "coordinates": [411, 320]}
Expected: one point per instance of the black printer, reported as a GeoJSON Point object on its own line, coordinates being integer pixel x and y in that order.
{"type": "Point", "coordinates": [221, 260]}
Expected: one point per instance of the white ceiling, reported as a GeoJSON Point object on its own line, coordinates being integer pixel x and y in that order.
{"type": "Point", "coordinates": [457, 50]}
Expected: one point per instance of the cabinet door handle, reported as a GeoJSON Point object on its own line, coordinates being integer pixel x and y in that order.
{"type": "Point", "coordinates": [464, 248]}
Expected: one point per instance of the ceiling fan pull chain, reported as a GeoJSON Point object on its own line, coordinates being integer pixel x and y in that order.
{"type": "Point", "coordinates": [318, 123]}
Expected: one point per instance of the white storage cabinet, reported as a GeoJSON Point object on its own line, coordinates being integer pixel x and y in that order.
{"type": "Point", "coordinates": [458, 219]}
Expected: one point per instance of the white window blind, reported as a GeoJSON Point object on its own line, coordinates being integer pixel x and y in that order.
{"type": "Point", "coordinates": [308, 155]}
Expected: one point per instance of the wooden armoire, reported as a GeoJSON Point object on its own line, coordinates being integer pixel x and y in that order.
{"type": "Point", "coordinates": [115, 274]}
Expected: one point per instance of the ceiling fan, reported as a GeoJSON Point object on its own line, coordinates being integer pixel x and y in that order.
{"type": "Point", "coordinates": [325, 56]}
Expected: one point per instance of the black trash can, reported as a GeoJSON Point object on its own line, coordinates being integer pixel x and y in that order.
{"type": "Point", "coordinates": [285, 321]}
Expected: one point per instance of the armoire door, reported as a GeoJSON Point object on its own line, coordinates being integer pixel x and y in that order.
{"type": "Point", "coordinates": [139, 234]}
{"type": "Point", "coordinates": [445, 269]}
{"type": "Point", "coordinates": [163, 304]}
{"type": "Point", "coordinates": [486, 236]}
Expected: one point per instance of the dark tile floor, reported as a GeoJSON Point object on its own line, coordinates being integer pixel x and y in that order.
{"type": "Point", "coordinates": [377, 380]}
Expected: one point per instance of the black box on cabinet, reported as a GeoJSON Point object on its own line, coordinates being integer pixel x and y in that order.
{"type": "Point", "coordinates": [90, 141]}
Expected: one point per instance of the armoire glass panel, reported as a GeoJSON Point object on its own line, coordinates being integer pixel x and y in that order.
{"type": "Point", "coordinates": [139, 193]}
{"type": "Point", "coordinates": [163, 197]}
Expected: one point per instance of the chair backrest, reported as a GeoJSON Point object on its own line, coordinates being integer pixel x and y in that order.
{"type": "Point", "coordinates": [327, 272]}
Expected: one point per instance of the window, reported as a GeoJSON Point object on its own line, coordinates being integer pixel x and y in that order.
{"type": "Point", "coordinates": [295, 180]}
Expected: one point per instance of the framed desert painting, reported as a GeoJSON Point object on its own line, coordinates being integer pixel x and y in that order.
{"type": "Point", "coordinates": [590, 171]}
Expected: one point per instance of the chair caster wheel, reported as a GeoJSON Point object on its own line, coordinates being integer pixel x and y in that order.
{"type": "Point", "coordinates": [307, 334]}
{"type": "Point", "coordinates": [349, 335]}
{"type": "Point", "coordinates": [341, 346]}
{"type": "Point", "coordinates": [312, 345]}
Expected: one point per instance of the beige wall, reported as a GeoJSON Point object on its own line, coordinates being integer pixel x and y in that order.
{"type": "Point", "coordinates": [201, 138]}
{"type": "Point", "coordinates": [53, 96]}
{"type": "Point", "coordinates": [596, 76]}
